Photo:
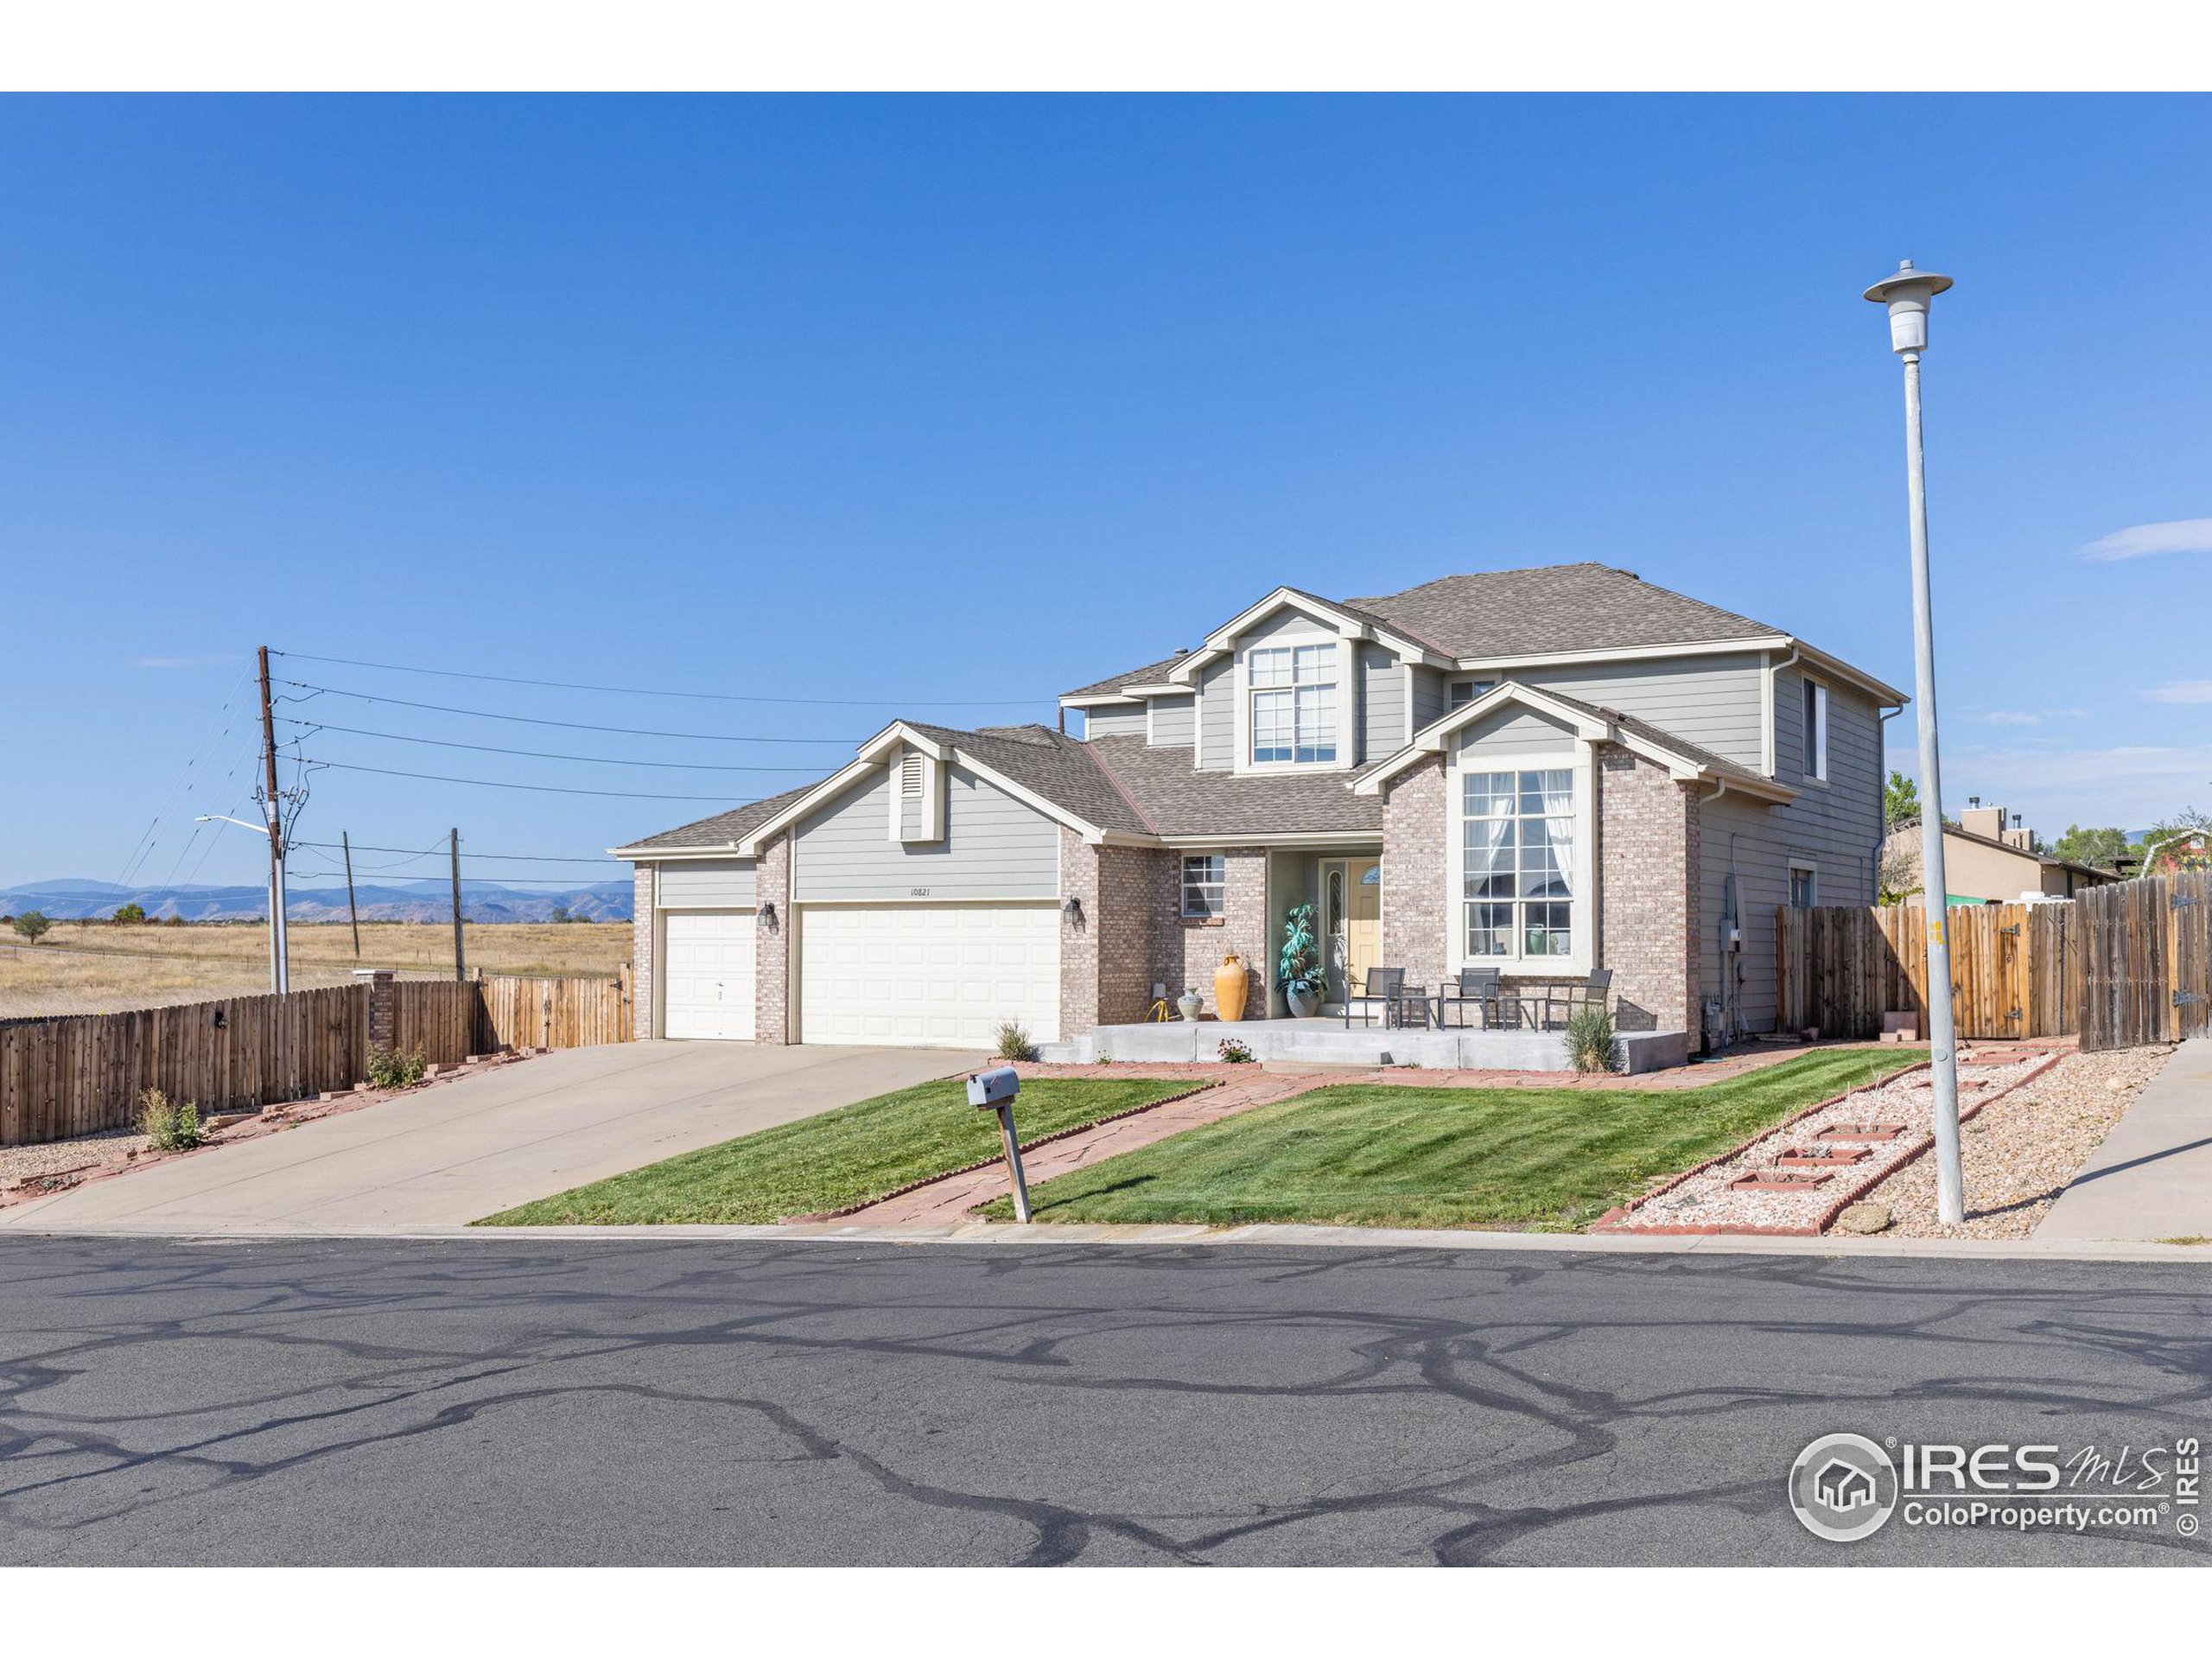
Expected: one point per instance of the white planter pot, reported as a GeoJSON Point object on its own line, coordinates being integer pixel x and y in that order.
{"type": "Point", "coordinates": [1190, 1002]}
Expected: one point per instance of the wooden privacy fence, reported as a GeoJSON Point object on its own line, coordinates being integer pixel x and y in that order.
{"type": "Point", "coordinates": [2148, 961]}
{"type": "Point", "coordinates": [2120, 966]}
{"type": "Point", "coordinates": [2016, 969]}
{"type": "Point", "coordinates": [83, 1073]}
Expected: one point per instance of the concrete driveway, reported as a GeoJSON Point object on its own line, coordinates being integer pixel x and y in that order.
{"type": "Point", "coordinates": [456, 1152]}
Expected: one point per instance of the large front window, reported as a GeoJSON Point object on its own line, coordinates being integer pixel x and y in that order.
{"type": "Point", "coordinates": [1520, 863]}
{"type": "Point", "coordinates": [1294, 704]}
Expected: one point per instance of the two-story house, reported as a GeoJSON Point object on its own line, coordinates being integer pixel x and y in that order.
{"type": "Point", "coordinates": [1542, 771]}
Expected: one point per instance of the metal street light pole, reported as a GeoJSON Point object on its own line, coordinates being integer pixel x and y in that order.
{"type": "Point", "coordinates": [279, 965]}
{"type": "Point", "coordinates": [1907, 294]}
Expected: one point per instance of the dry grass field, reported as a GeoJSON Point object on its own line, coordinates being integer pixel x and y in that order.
{"type": "Point", "coordinates": [98, 968]}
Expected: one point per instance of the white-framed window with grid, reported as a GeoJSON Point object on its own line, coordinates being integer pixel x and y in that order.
{"type": "Point", "coordinates": [1204, 885]}
{"type": "Point", "coordinates": [1293, 692]}
{"type": "Point", "coordinates": [1519, 863]}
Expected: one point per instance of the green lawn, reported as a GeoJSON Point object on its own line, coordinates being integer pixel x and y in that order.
{"type": "Point", "coordinates": [1545, 1160]}
{"type": "Point", "coordinates": [850, 1156]}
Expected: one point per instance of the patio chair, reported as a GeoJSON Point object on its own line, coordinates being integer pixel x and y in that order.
{"type": "Point", "coordinates": [1564, 1001]}
{"type": "Point", "coordinates": [1384, 988]}
{"type": "Point", "coordinates": [1479, 987]}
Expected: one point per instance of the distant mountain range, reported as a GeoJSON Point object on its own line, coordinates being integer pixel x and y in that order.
{"type": "Point", "coordinates": [75, 900]}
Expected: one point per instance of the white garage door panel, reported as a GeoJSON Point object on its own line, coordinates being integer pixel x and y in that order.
{"type": "Point", "coordinates": [928, 974]}
{"type": "Point", "coordinates": [708, 966]}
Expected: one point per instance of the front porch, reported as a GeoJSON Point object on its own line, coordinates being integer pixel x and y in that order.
{"type": "Point", "coordinates": [1327, 1041]}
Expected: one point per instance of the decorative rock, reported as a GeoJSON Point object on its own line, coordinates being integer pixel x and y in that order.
{"type": "Point", "coordinates": [1863, 1218]}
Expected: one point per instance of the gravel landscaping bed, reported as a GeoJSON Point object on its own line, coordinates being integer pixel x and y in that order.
{"type": "Point", "coordinates": [1710, 1200]}
{"type": "Point", "coordinates": [52, 1157]}
{"type": "Point", "coordinates": [2019, 1153]}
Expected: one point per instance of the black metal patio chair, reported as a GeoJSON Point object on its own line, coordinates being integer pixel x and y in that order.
{"type": "Point", "coordinates": [1563, 1002]}
{"type": "Point", "coordinates": [1383, 989]}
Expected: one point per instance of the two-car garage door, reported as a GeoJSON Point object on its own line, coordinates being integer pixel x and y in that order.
{"type": "Point", "coordinates": [928, 973]}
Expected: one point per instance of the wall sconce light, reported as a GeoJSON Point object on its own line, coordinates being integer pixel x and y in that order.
{"type": "Point", "coordinates": [768, 914]}
{"type": "Point", "coordinates": [1073, 911]}
{"type": "Point", "coordinates": [221, 1022]}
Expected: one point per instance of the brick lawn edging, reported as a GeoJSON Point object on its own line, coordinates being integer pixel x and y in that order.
{"type": "Point", "coordinates": [986, 1163]}
{"type": "Point", "coordinates": [1611, 1220]}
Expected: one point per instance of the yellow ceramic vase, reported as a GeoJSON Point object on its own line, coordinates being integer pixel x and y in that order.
{"type": "Point", "coordinates": [1229, 986]}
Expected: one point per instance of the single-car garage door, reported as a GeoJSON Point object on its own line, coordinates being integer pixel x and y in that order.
{"type": "Point", "coordinates": [707, 968]}
{"type": "Point", "coordinates": [928, 974]}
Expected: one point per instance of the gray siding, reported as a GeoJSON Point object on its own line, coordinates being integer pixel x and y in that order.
{"type": "Point", "coordinates": [1113, 723]}
{"type": "Point", "coordinates": [1715, 701]}
{"type": "Point", "coordinates": [993, 847]}
{"type": "Point", "coordinates": [1511, 732]}
{"type": "Point", "coordinates": [1381, 704]}
{"type": "Point", "coordinates": [1432, 695]}
{"type": "Point", "coordinates": [707, 884]}
{"type": "Point", "coordinates": [1216, 716]}
{"type": "Point", "coordinates": [1174, 723]}
{"type": "Point", "coordinates": [1834, 829]}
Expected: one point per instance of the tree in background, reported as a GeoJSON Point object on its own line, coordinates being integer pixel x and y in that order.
{"type": "Point", "coordinates": [2098, 848]}
{"type": "Point", "coordinates": [33, 924]}
{"type": "Point", "coordinates": [129, 915]}
{"type": "Point", "coordinates": [1900, 800]}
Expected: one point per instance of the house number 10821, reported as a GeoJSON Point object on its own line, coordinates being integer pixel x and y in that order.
{"type": "Point", "coordinates": [918, 893]}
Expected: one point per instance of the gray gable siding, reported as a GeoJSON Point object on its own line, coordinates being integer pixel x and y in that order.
{"type": "Point", "coordinates": [1834, 827]}
{"type": "Point", "coordinates": [1174, 723]}
{"type": "Point", "coordinates": [1717, 702]}
{"type": "Point", "coordinates": [1381, 704]}
{"type": "Point", "coordinates": [1432, 696]}
{"type": "Point", "coordinates": [1113, 723]}
{"type": "Point", "coordinates": [707, 884]}
{"type": "Point", "coordinates": [1509, 732]}
{"type": "Point", "coordinates": [1216, 716]}
{"type": "Point", "coordinates": [995, 847]}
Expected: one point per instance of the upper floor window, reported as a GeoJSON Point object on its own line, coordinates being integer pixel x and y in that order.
{"type": "Point", "coordinates": [1816, 730]}
{"type": "Point", "coordinates": [1519, 863]}
{"type": "Point", "coordinates": [1294, 690]}
{"type": "Point", "coordinates": [1466, 691]}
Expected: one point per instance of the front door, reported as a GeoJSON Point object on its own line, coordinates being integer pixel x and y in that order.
{"type": "Point", "coordinates": [1351, 910]}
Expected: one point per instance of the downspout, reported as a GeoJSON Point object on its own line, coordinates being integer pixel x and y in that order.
{"type": "Point", "coordinates": [1724, 978]}
{"type": "Point", "coordinates": [1774, 706]}
{"type": "Point", "coordinates": [1882, 743]}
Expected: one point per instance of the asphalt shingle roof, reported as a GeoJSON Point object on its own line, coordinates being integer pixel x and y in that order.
{"type": "Point", "coordinates": [1150, 674]}
{"type": "Point", "coordinates": [723, 828]}
{"type": "Point", "coordinates": [1178, 800]}
{"type": "Point", "coordinates": [1064, 770]}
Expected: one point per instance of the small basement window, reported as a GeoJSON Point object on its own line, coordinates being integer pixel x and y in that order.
{"type": "Point", "coordinates": [1203, 886]}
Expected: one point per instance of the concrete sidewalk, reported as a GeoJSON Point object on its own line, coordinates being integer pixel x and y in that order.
{"type": "Point", "coordinates": [456, 1152]}
{"type": "Point", "coordinates": [2152, 1177]}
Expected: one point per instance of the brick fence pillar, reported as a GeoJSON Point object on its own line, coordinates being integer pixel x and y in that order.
{"type": "Point", "coordinates": [383, 1009]}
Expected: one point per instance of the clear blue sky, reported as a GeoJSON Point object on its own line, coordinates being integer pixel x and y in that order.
{"type": "Point", "coordinates": [946, 399]}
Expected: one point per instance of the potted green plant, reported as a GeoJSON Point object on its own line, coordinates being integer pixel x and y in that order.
{"type": "Point", "coordinates": [1298, 968]}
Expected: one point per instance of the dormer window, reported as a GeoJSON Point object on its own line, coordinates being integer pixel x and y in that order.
{"type": "Point", "coordinates": [1293, 692]}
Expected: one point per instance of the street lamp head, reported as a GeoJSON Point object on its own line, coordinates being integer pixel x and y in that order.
{"type": "Point", "coordinates": [1907, 294]}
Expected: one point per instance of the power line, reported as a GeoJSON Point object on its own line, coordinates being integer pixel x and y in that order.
{"type": "Point", "coordinates": [518, 858]}
{"type": "Point", "coordinates": [702, 696]}
{"type": "Point", "coordinates": [539, 789]}
{"type": "Point", "coordinates": [310, 727]}
{"type": "Point", "coordinates": [538, 720]}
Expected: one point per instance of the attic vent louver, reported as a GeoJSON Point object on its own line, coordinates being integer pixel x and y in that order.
{"type": "Point", "coordinates": [910, 774]}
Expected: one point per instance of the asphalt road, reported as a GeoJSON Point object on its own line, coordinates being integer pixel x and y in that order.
{"type": "Point", "coordinates": [562, 1402]}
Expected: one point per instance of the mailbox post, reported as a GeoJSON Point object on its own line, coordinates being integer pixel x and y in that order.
{"type": "Point", "coordinates": [995, 1089]}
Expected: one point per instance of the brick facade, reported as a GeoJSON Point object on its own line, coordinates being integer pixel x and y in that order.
{"type": "Point", "coordinates": [1186, 954]}
{"type": "Point", "coordinates": [1648, 891]}
{"type": "Point", "coordinates": [643, 888]}
{"type": "Point", "coordinates": [1415, 919]}
{"type": "Point", "coordinates": [771, 944]}
{"type": "Point", "coordinates": [1132, 934]}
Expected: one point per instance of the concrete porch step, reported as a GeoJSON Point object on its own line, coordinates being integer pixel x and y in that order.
{"type": "Point", "coordinates": [1324, 1042]}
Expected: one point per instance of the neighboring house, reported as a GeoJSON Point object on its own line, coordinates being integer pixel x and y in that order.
{"type": "Point", "coordinates": [1544, 771]}
{"type": "Point", "coordinates": [1986, 861]}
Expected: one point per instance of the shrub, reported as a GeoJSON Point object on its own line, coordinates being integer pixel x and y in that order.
{"type": "Point", "coordinates": [1014, 1042]}
{"type": "Point", "coordinates": [170, 1127]}
{"type": "Point", "coordinates": [129, 915]}
{"type": "Point", "coordinates": [1234, 1051]}
{"type": "Point", "coordinates": [390, 1069]}
{"type": "Point", "coordinates": [33, 924]}
{"type": "Point", "coordinates": [1590, 1043]}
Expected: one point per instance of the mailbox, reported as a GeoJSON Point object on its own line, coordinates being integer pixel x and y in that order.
{"type": "Point", "coordinates": [994, 1087]}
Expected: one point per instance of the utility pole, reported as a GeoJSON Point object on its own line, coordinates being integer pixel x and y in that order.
{"type": "Point", "coordinates": [353, 911]}
{"type": "Point", "coordinates": [280, 976]}
{"type": "Point", "coordinates": [1908, 293]}
{"type": "Point", "coordinates": [460, 969]}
